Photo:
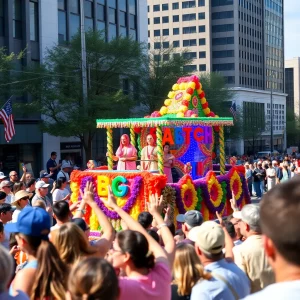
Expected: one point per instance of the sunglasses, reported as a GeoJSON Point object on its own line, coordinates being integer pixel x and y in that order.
{"type": "Point", "coordinates": [25, 198]}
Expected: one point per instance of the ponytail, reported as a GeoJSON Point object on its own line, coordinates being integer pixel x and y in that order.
{"type": "Point", "coordinates": [51, 276]}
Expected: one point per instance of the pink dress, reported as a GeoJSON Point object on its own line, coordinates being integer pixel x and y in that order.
{"type": "Point", "coordinates": [154, 286]}
{"type": "Point", "coordinates": [127, 151]}
{"type": "Point", "coordinates": [168, 169]}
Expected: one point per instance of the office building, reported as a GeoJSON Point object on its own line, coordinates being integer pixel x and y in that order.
{"type": "Point", "coordinates": [243, 40]}
{"type": "Point", "coordinates": [38, 25]}
{"type": "Point", "coordinates": [292, 84]}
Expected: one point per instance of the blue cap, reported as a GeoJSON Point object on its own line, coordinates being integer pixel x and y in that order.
{"type": "Point", "coordinates": [32, 221]}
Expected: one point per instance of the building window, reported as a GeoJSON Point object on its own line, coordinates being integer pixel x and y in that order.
{"type": "Point", "coordinates": [201, 16]}
{"type": "Point", "coordinates": [189, 55]}
{"type": "Point", "coordinates": [165, 45]}
{"type": "Point", "coordinates": [175, 5]}
{"type": "Point", "coordinates": [202, 28]}
{"type": "Point", "coordinates": [88, 9]}
{"type": "Point", "coordinates": [62, 26]}
{"type": "Point", "coordinates": [156, 20]}
{"type": "Point", "coordinates": [166, 57]}
{"type": "Point", "coordinates": [123, 19]}
{"type": "Point", "coordinates": [132, 7]}
{"type": "Point", "coordinates": [1, 18]}
{"type": "Point", "coordinates": [122, 5]}
{"type": "Point", "coordinates": [202, 68]}
{"type": "Point", "coordinates": [132, 21]}
{"type": "Point", "coordinates": [188, 43]}
{"type": "Point", "coordinates": [157, 45]}
{"type": "Point", "coordinates": [176, 44]}
{"type": "Point", "coordinates": [222, 15]}
{"type": "Point", "coordinates": [223, 28]}
{"type": "Point", "coordinates": [188, 4]}
{"type": "Point", "coordinates": [222, 2]}
{"type": "Point", "coordinates": [112, 31]}
{"type": "Point", "coordinates": [176, 18]}
{"type": "Point", "coordinates": [190, 68]}
{"type": "Point", "coordinates": [157, 32]}
{"type": "Point", "coordinates": [165, 19]}
{"type": "Point", "coordinates": [165, 6]}
{"type": "Point", "coordinates": [34, 21]}
{"type": "Point", "coordinates": [202, 42]}
{"type": "Point", "coordinates": [61, 4]}
{"type": "Point", "coordinates": [74, 24]}
{"type": "Point", "coordinates": [188, 17]}
{"type": "Point", "coordinates": [223, 53]}
{"type": "Point", "coordinates": [175, 31]}
{"type": "Point", "coordinates": [17, 19]}
{"type": "Point", "coordinates": [74, 7]}
{"type": "Point", "coordinates": [165, 32]}
{"type": "Point", "coordinates": [112, 16]}
{"type": "Point", "coordinates": [201, 2]}
{"type": "Point", "coordinates": [223, 67]}
{"type": "Point", "coordinates": [101, 12]}
{"type": "Point", "coordinates": [156, 7]}
{"type": "Point", "coordinates": [202, 54]}
{"type": "Point", "coordinates": [188, 30]}
{"type": "Point", "coordinates": [223, 41]}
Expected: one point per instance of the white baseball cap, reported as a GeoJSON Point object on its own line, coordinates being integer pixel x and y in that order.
{"type": "Point", "coordinates": [41, 185]}
{"type": "Point", "coordinates": [2, 176]}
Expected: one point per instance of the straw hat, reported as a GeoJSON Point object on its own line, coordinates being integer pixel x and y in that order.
{"type": "Point", "coordinates": [19, 195]}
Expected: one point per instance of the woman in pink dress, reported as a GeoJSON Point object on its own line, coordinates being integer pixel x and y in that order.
{"type": "Point", "coordinates": [168, 162]}
{"type": "Point", "coordinates": [126, 154]}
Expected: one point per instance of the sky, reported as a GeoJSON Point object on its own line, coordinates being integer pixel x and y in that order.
{"type": "Point", "coordinates": [292, 28]}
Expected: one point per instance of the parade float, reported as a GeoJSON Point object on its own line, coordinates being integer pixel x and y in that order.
{"type": "Point", "coordinates": [187, 124]}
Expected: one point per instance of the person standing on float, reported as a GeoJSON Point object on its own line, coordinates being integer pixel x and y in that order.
{"type": "Point", "coordinates": [168, 162]}
{"type": "Point", "coordinates": [126, 154]}
{"type": "Point", "coordinates": [149, 155]}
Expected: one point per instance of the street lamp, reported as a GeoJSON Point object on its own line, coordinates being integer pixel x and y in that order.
{"type": "Point", "coordinates": [271, 116]}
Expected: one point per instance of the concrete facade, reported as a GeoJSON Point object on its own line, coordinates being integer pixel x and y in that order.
{"type": "Point", "coordinates": [292, 84]}
{"type": "Point", "coordinates": [241, 96]}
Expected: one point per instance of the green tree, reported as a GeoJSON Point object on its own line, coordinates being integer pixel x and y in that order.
{"type": "Point", "coordinates": [160, 71]}
{"type": "Point", "coordinates": [292, 128]}
{"type": "Point", "coordinates": [57, 93]}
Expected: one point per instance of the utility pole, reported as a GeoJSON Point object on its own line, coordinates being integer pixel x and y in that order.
{"type": "Point", "coordinates": [83, 70]}
{"type": "Point", "coordinates": [271, 112]}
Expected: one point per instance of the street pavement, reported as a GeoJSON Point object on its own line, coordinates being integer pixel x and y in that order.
{"type": "Point", "coordinates": [255, 200]}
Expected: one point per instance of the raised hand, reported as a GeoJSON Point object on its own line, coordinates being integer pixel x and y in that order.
{"type": "Point", "coordinates": [111, 199]}
{"type": "Point", "coordinates": [88, 196]}
{"type": "Point", "coordinates": [154, 204]}
{"type": "Point", "coordinates": [233, 202]}
{"type": "Point", "coordinates": [221, 221]}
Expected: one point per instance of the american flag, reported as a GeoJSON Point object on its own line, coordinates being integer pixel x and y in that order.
{"type": "Point", "coordinates": [232, 109]}
{"type": "Point", "coordinates": [8, 120]}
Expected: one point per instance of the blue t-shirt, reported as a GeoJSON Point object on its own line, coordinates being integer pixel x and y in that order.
{"type": "Point", "coordinates": [51, 163]}
{"type": "Point", "coordinates": [216, 289]}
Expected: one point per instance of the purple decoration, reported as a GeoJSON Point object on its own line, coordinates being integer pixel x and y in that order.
{"type": "Point", "coordinates": [179, 202]}
{"type": "Point", "coordinates": [135, 189]}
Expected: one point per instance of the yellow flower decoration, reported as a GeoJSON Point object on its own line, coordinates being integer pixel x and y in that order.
{"type": "Point", "coordinates": [236, 185]}
{"type": "Point", "coordinates": [189, 195]}
{"type": "Point", "coordinates": [75, 192]}
{"type": "Point", "coordinates": [215, 190]}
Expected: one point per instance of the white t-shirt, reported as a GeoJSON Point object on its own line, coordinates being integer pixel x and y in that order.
{"type": "Point", "coordinates": [15, 215]}
{"type": "Point", "coordinates": [289, 290]}
{"type": "Point", "coordinates": [59, 194]}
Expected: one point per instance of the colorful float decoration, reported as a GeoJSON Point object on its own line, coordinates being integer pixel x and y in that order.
{"type": "Point", "coordinates": [190, 127]}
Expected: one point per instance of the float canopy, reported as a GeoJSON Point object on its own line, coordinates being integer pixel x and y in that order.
{"type": "Point", "coordinates": [169, 120]}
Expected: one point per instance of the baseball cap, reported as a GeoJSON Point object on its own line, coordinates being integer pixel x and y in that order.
{"type": "Point", "coordinates": [66, 165]}
{"type": "Point", "coordinates": [81, 223]}
{"type": "Point", "coordinates": [32, 221]}
{"type": "Point", "coordinates": [2, 176]}
{"type": "Point", "coordinates": [209, 237]}
{"type": "Point", "coordinates": [249, 214]}
{"type": "Point", "coordinates": [192, 218]}
{"type": "Point", "coordinates": [45, 175]}
{"type": "Point", "coordinates": [5, 183]}
{"type": "Point", "coordinates": [41, 185]}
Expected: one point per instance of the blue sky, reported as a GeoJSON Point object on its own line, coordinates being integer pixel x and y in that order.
{"type": "Point", "coordinates": [292, 28]}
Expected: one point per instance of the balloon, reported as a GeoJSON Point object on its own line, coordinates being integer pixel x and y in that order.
{"type": "Point", "coordinates": [171, 95]}
{"type": "Point", "coordinates": [203, 100]}
{"type": "Point", "coordinates": [182, 86]}
{"type": "Point", "coordinates": [175, 87]}
{"type": "Point", "coordinates": [190, 91]}
{"type": "Point", "coordinates": [206, 111]}
{"type": "Point", "coordinates": [163, 110]}
{"type": "Point", "coordinates": [138, 130]}
{"type": "Point", "coordinates": [185, 102]}
{"type": "Point", "coordinates": [202, 95]}
{"type": "Point", "coordinates": [167, 102]}
{"type": "Point", "coordinates": [205, 105]}
{"type": "Point", "coordinates": [192, 85]}
{"type": "Point", "coordinates": [187, 97]}
{"type": "Point", "coordinates": [183, 108]}
{"type": "Point", "coordinates": [180, 115]}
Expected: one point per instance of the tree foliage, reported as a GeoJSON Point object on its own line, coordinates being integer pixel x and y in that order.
{"type": "Point", "coordinates": [292, 128]}
{"type": "Point", "coordinates": [57, 93]}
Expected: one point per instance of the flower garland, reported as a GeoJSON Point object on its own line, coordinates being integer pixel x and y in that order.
{"type": "Point", "coordinates": [189, 194]}
{"type": "Point", "coordinates": [137, 181]}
